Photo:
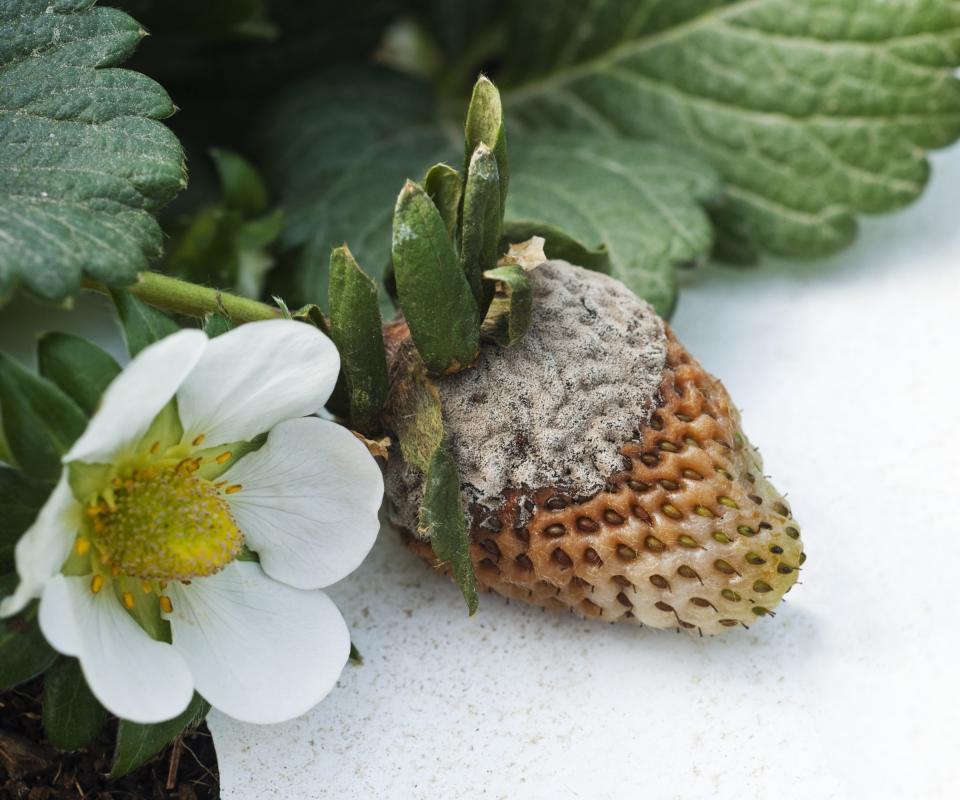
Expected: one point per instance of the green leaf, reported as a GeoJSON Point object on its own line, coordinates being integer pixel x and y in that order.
{"type": "Point", "coordinates": [338, 146]}
{"type": "Point", "coordinates": [484, 125]}
{"type": "Point", "coordinates": [357, 330]}
{"type": "Point", "coordinates": [72, 716]}
{"type": "Point", "coordinates": [445, 187]}
{"type": "Point", "coordinates": [24, 653]}
{"type": "Point", "coordinates": [211, 19]}
{"type": "Point", "coordinates": [812, 111]}
{"type": "Point", "coordinates": [80, 368]}
{"type": "Point", "coordinates": [443, 522]}
{"type": "Point", "coordinates": [243, 188]}
{"type": "Point", "coordinates": [216, 244]}
{"type": "Point", "coordinates": [559, 244]}
{"type": "Point", "coordinates": [142, 324]}
{"type": "Point", "coordinates": [21, 499]}
{"type": "Point", "coordinates": [216, 325]}
{"type": "Point", "coordinates": [436, 298]}
{"type": "Point", "coordinates": [222, 234]}
{"type": "Point", "coordinates": [137, 744]}
{"type": "Point", "coordinates": [413, 408]}
{"type": "Point", "coordinates": [335, 150]}
{"type": "Point", "coordinates": [39, 420]}
{"type": "Point", "coordinates": [509, 315]}
{"type": "Point", "coordinates": [480, 235]}
{"type": "Point", "coordinates": [84, 164]}
{"type": "Point", "coordinates": [640, 203]}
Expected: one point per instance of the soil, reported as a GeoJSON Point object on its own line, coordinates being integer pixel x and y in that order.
{"type": "Point", "coordinates": [32, 769]}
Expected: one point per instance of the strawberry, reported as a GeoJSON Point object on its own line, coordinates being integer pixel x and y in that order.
{"type": "Point", "coordinates": [604, 471]}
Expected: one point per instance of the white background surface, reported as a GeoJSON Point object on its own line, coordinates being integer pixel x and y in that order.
{"type": "Point", "coordinates": [848, 374]}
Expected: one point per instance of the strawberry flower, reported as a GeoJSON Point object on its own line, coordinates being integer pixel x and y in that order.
{"type": "Point", "coordinates": [194, 523]}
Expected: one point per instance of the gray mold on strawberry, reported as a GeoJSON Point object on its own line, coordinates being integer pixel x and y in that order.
{"type": "Point", "coordinates": [553, 409]}
{"type": "Point", "coordinates": [655, 511]}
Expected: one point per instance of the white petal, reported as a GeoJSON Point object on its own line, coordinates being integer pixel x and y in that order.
{"type": "Point", "coordinates": [133, 676]}
{"type": "Point", "coordinates": [254, 376]}
{"type": "Point", "coordinates": [259, 650]}
{"type": "Point", "coordinates": [44, 546]}
{"type": "Point", "coordinates": [309, 502]}
{"type": "Point", "coordinates": [136, 396]}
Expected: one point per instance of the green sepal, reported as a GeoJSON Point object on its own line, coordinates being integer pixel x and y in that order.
{"type": "Point", "coordinates": [480, 227]}
{"type": "Point", "coordinates": [445, 187]}
{"type": "Point", "coordinates": [246, 554]}
{"type": "Point", "coordinates": [216, 325]}
{"type": "Point", "coordinates": [356, 657]}
{"type": "Point", "coordinates": [413, 409]}
{"type": "Point", "coordinates": [72, 716]}
{"type": "Point", "coordinates": [357, 330]}
{"type": "Point", "coordinates": [142, 324]}
{"type": "Point", "coordinates": [137, 743]}
{"type": "Point", "coordinates": [512, 308]}
{"type": "Point", "coordinates": [484, 125]}
{"type": "Point", "coordinates": [165, 431]}
{"type": "Point", "coordinates": [243, 188]}
{"type": "Point", "coordinates": [444, 524]}
{"type": "Point", "coordinates": [40, 422]}
{"type": "Point", "coordinates": [434, 293]}
{"type": "Point", "coordinates": [145, 612]}
{"type": "Point", "coordinates": [312, 314]}
{"type": "Point", "coordinates": [211, 469]}
{"type": "Point", "coordinates": [86, 480]}
{"type": "Point", "coordinates": [24, 653]}
{"type": "Point", "coordinates": [80, 368]}
{"type": "Point", "coordinates": [558, 244]}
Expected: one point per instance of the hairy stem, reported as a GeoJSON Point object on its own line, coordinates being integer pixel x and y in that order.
{"type": "Point", "coordinates": [183, 297]}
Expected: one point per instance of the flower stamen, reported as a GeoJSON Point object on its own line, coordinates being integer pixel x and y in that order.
{"type": "Point", "coordinates": [199, 440]}
{"type": "Point", "coordinates": [96, 584]}
{"type": "Point", "coordinates": [224, 457]}
{"type": "Point", "coordinates": [166, 605]}
{"type": "Point", "coordinates": [128, 601]}
{"type": "Point", "coordinates": [233, 489]}
{"type": "Point", "coordinates": [165, 523]}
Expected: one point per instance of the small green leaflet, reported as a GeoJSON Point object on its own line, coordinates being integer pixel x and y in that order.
{"type": "Point", "coordinates": [24, 653]}
{"type": "Point", "coordinates": [40, 421]}
{"type": "Point", "coordinates": [21, 499]}
{"type": "Point", "coordinates": [72, 716]}
{"type": "Point", "coordinates": [142, 324]}
{"type": "Point", "coordinates": [84, 164]}
{"type": "Point", "coordinates": [812, 110]}
{"type": "Point", "coordinates": [137, 744]}
{"type": "Point", "coordinates": [80, 368]}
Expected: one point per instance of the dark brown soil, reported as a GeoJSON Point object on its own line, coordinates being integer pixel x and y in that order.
{"type": "Point", "coordinates": [31, 769]}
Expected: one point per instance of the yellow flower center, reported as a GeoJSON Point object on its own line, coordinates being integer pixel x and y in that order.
{"type": "Point", "coordinates": [165, 524]}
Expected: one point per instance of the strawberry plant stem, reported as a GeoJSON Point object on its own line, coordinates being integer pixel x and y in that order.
{"type": "Point", "coordinates": [183, 297]}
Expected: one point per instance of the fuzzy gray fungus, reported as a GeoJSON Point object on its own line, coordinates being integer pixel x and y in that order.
{"type": "Point", "coordinates": [554, 409]}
